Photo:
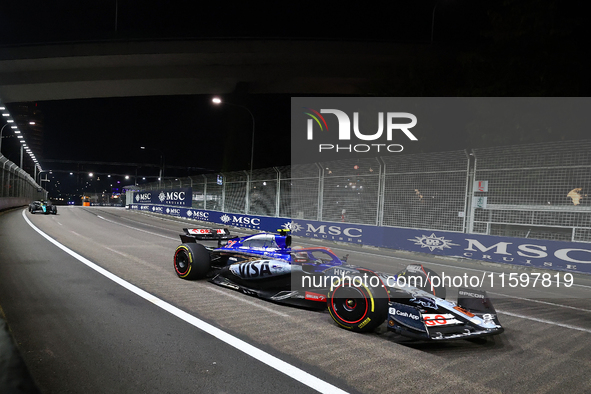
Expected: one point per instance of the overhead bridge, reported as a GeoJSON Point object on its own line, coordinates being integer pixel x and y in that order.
{"type": "Point", "coordinates": [143, 68]}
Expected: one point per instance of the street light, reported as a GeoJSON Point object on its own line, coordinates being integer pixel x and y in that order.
{"type": "Point", "coordinates": [41, 179]}
{"type": "Point", "coordinates": [218, 101]}
{"type": "Point", "coordinates": [22, 147]}
{"type": "Point", "coordinates": [433, 22]}
{"type": "Point", "coordinates": [23, 144]}
{"type": "Point", "coordinates": [161, 162]}
{"type": "Point", "coordinates": [433, 18]}
{"type": "Point", "coordinates": [2, 130]}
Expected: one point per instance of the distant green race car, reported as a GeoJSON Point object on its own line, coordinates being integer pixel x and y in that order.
{"type": "Point", "coordinates": [45, 207]}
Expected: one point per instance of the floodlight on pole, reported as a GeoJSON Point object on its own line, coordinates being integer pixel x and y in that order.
{"type": "Point", "coordinates": [218, 101]}
{"type": "Point", "coordinates": [161, 166]}
{"type": "Point", "coordinates": [2, 130]}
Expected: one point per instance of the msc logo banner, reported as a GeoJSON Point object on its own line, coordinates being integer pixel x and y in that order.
{"type": "Point", "coordinates": [179, 197]}
{"type": "Point", "coordinates": [143, 197]}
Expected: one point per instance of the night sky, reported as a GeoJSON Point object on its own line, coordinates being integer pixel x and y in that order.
{"type": "Point", "coordinates": [189, 131]}
{"type": "Point", "coordinates": [29, 21]}
{"type": "Point", "coordinates": [509, 48]}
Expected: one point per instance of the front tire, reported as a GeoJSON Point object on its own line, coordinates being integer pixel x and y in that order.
{"type": "Point", "coordinates": [358, 308]}
{"type": "Point", "coordinates": [191, 261]}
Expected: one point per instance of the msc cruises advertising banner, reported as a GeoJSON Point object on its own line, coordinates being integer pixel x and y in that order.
{"type": "Point", "coordinates": [181, 197]}
{"type": "Point", "coordinates": [539, 253]}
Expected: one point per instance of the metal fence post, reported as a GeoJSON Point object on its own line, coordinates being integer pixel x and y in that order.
{"type": "Point", "coordinates": [11, 182]}
{"type": "Point", "coordinates": [23, 184]}
{"type": "Point", "coordinates": [381, 192]}
{"type": "Point", "coordinates": [277, 192]}
{"type": "Point", "coordinates": [247, 197]}
{"type": "Point", "coordinates": [320, 191]}
{"type": "Point", "coordinates": [467, 190]}
{"type": "Point", "coordinates": [17, 183]}
{"type": "Point", "coordinates": [3, 172]}
{"type": "Point", "coordinates": [471, 208]}
{"type": "Point", "coordinates": [204, 191]}
{"type": "Point", "coordinates": [224, 194]}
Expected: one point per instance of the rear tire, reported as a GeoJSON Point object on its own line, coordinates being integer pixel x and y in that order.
{"type": "Point", "coordinates": [358, 308]}
{"type": "Point", "coordinates": [191, 261]}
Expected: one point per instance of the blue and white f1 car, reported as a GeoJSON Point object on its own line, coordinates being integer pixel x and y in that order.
{"type": "Point", "coordinates": [267, 266]}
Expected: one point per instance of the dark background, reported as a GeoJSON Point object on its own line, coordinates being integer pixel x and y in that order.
{"type": "Point", "coordinates": [477, 48]}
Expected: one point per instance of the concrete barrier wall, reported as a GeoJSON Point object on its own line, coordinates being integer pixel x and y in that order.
{"type": "Point", "coordinates": [11, 202]}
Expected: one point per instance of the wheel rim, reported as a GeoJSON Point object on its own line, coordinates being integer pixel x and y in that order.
{"type": "Point", "coordinates": [181, 262]}
{"type": "Point", "coordinates": [349, 304]}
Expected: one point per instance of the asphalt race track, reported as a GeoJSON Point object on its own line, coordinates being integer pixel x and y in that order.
{"type": "Point", "coordinates": [81, 332]}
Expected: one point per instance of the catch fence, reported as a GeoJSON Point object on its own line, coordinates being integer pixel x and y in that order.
{"type": "Point", "coordinates": [535, 191]}
{"type": "Point", "coordinates": [16, 183]}
{"type": "Point", "coordinates": [531, 191]}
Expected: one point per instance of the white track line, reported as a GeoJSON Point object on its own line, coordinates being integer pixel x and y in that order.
{"type": "Point", "coordinates": [225, 293]}
{"type": "Point", "coordinates": [439, 264]}
{"type": "Point", "coordinates": [545, 321]}
{"type": "Point", "coordinates": [475, 269]}
{"type": "Point", "coordinates": [241, 298]}
{"type": "Point", "coordinates": [135, 228]}
{"type": "Point", "coordinates": [541, 302]}
{"type": "Point", "coordinates": [266, 358]}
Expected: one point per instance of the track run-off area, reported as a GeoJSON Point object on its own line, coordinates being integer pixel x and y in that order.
{"type": "Point", "coordinates": [94, 304]}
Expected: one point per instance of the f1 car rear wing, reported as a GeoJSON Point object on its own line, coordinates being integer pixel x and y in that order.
{"type": "Point", "coordinates": [191, 235]}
